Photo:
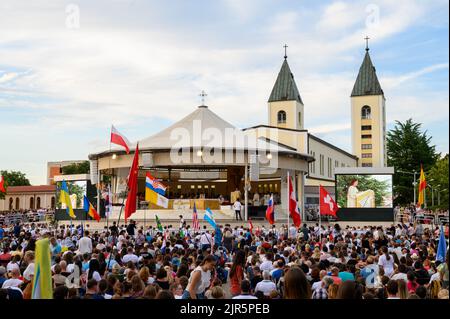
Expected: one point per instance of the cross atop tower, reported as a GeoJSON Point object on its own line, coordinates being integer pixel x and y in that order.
{"type": "Point", "coordinates": [203, 95]}
{"type": "Point", "coordinates": [367, 43]}
{"type": "Point", "coordinates": [285, 51]}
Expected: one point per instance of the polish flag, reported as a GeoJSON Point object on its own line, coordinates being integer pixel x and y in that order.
{"type": "Point", "coordinates": [2, 184]}
{"type": "Point", "coordinates": [119, 139]}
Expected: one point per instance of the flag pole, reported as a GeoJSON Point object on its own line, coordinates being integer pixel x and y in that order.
{"type": "Point", "coordinates": [320, 219]}
{"type": "Point", "coordinates": [109, 190]}
{"type": "Point", "coordinates": [287, 203]}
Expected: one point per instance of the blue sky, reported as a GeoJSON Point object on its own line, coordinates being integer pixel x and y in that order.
{"type": "Point", "coordinates": [69, 69]}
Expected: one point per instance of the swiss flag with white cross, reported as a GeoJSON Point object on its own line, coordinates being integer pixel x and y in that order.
{"type": "Point", "coordinates": [327, 205]}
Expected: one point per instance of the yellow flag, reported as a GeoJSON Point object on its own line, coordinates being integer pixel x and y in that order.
{"type": "Point", "coordinates": [155, 198]}
{"type": "Point", "coordinates": [64, 198]}
{"type": "Point", "coordinates": [42, 280]}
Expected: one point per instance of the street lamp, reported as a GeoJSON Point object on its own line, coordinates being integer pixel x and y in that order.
{"type": "Point", "coordinates": [414, 183]}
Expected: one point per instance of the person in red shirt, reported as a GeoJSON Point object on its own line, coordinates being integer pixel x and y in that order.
{"type": "Point", "coordinates": [237, 273]}
{"type": "Point", "coordinates": [5, 257]}
{"type": "Point", "coordinates": [335, 275]}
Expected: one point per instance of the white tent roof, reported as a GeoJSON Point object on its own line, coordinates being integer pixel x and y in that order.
{"type": "Point", "coordinates": [204, 128]}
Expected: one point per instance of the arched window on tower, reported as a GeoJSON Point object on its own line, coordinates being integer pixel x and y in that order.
{"type": "Point", "coordinates": [281, 117]}
{"type": "Point", "coordinates": [300, 118]}
{"type": "Point", "coordinates": [365, 112]}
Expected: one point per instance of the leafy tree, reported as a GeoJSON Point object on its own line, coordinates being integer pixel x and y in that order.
{"type": "Point", "coordinates": [13, 178]}
{"type": "Point", "coordinates": [76, 168]}
{"type": "Point", "coordinates": [439, 174]}
{"type": "Point", "coordinates": [408, 148]}
{"type": "Point", "coordinates": [381, 189]}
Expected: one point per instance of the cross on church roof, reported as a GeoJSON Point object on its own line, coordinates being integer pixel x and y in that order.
{"type": "Point", "coordinates": [367, 43]}
{"type": "Point", "coordinates": [285, 51]}
{"type": "Point", "coordinates": [203, 95]}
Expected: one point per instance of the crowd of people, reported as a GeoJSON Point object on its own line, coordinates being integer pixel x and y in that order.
{"type": "Point", "coordinates": [276, 262]}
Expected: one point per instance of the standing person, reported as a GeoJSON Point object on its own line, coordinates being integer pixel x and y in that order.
{"type": "Point", "coordinates": [200, 279]}
{"type": "Point", "coordinates": [305, 231]}
{"type": "Point", "coordinates": [237, 272]}
{"type": "Point", "coordinates": [85, 244]}
{"type": "Point", "coordinates": [182, 222]}
{"type": "Point", "coordinates": [386, 261]}
{"type": "Point", "coordinates": [218, 236]}
{"type": "Point", "coordinates": [237, 206]}
{"type": "Point", "coordinates": [131, 228]}
{"type": "Point", "coordinates": [206, 240]}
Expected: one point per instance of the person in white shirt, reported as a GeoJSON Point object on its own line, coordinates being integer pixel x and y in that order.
{"type": "Point", "coordinates": [245, 291]}
{"type": "Point", "coordinates": [266, 286]}
{"type": "Point", "coordinates": [237, 206]}
{"type": "Point", "coordinates": [387, 262]}
{"type": "Point", "coordinates": [85, 244]}
{"type": "Point", "coordinates": [206, 240]}
{"type": "Point", "coordinates": [130, 256]}
{"type": "Point", "coordinates": [268, 263]}
{"type": "Point", "coordinates": [14, 281]}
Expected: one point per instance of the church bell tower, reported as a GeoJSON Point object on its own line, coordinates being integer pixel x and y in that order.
{"type": "Point", "coordinates": [368, 109]}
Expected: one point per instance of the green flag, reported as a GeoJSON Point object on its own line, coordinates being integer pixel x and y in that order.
{"type": "Point", "coordinates": [158, 223]}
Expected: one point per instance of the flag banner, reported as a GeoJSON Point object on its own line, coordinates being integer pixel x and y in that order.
{"type": "Point", "coordinates": [294, 210]}
{"type": "Point", "coordinates": [119, 139]}
{"type": "Point", "coordinates": [2, 184]}
{"type": "Point", "coordinates": [422, 187]}
{"type": "Point", "coordinates": [88, 208]}
{"type": "Point", "coordinates": [64, 198]}
{"type": "Point", "coordinates": [42, 280]}
{"type": "Point", "coordinates": [209, 218]}
{"type": "Point", "coordinates": [270, 211]}
{"type": "Point", "coordinates": [250, 226]}
{"type": "Point", "coordinates": [327, 205]}
{"type": "Point", "coordinates": [155, 198]}
{"type": "Point", "coordinates": [195, 223]}
{"type": "Point", "coordinates": [153, 184]}
{"type": "Point", "coordinates": [158, 223]}
{"type": "Point", "coordinates": [130, 205]}
{"type": "Point", "coordinates": [442, 246]}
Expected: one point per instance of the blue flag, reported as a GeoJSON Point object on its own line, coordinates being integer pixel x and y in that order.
{"type": "Point", "coordinates": [209, 218]}
{"type": "Point", "coordinates": [442, 246]}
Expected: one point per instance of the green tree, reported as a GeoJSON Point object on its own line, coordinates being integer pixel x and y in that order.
{"type": "Point", "coordinates": [13, 178]}
{"type": "Point", "coordinates": [76, 168]}
{"type": "Point", "coordinates": [408, 147]}
{"type": "Point", "coordinates": [438, 175]}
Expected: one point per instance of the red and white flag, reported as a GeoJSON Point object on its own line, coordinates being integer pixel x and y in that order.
{"type": "Point", "coordinates": [294, 210]}
{"type": "Point", "coordinates": [327, 205]}
{"type": "Point", "coordinates": [250, 226]}
{"type": "Point", "coordinates": [2, 184]}
{"type": "Point", "coordinates": [120, 139]}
